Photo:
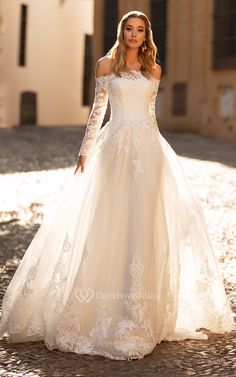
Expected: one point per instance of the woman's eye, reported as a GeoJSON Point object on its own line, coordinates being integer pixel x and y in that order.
{"type": "Point", "coordinates": [139, 30]}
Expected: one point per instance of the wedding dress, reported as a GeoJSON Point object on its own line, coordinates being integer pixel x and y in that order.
{"type": "Point", "coordinates": [124, 260]}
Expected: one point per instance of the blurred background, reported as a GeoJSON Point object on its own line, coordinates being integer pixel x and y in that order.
{"type": "Point", "coordinates": [48, 51]}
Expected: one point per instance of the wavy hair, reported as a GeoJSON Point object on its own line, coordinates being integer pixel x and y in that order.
{"type": "Point", "coordinates": [146, 56]}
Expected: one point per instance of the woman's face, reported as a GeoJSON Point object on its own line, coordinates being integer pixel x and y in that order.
{"type": "Point", "coordinates": [134, 32]}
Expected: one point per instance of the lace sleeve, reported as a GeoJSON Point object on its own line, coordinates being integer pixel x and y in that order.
{"type": "Point", "coordinates": [152, 107]}
{"type": "Point", "coordinates": [96, 115]}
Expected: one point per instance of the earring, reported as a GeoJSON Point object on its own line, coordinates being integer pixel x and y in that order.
{"type": "Point", "coordinates": [144, 46]}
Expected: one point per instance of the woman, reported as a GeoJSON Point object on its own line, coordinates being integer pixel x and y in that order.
{"type": "Point", "coordinates": [125, 260]}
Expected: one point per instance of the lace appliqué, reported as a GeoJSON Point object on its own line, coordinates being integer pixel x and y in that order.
{"type": "Point", "coordinates": [132, 336]}
{"type": "Point", "coordinates": [132, 75]}
{"type": "Point", "coordinates": [152, 107]}
{"type": "Point", "coordinates": [100, 331]}
{"type": "Point", "coordinates": [18, 321]}
{"type": "Point", "coordinates": [59, 276]}
{"type": "Point", "coordinates": [136, 331]}
{"type": "Point", "coordinates": [138, 308]}
{"type": "Point", "coordinates": [100, 105]}
{"type": "Point", "coordinates": [118, 139]}
{"type": "Point", "coordinates": [55, 293]}
{"type": "Point", "coordinates": [96, 115]}
{"type": "Point", "coordinates": [138, 168]}
{"type": "Point", "coordinates": [28, 289]}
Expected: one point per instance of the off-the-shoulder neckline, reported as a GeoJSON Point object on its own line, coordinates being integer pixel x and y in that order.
{"type": "Point", "coordinates": [131, 70]}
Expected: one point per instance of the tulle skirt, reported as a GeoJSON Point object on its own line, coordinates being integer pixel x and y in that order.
{"type": "Point", "coordinates": [123, 260]}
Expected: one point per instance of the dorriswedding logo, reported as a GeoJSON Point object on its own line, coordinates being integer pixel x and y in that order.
{"type": "Point", "coordinates": [84, 294]}
{"type": "Point", "coordinates": [87, 294]}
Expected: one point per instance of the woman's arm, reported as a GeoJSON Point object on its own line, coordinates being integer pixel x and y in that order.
{"type": "Point", "coordinates": [97, 113]}
{"type": "Point", "coordinates": [156, 72]}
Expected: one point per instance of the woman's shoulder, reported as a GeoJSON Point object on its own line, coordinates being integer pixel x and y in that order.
{"type": "Point", "coordinates": [103, 66]}
{"type": "Point", "coordinates": [156, 72]}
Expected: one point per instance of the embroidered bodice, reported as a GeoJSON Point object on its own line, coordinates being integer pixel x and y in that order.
{"type": "Point", "coordinates": [132, 99]}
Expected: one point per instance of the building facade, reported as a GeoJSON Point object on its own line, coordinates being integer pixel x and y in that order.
{"type": "Point", "coordinates": [44, 49]}
{"type": "Point", "coordinates": [196, 41]}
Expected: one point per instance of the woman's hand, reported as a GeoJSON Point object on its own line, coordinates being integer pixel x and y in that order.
{"type": "Point", "coordinates": [80, 164]}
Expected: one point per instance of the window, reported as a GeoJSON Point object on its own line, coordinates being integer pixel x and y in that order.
{"type": "Point", "coordinates": [179, 103]}
{"type": "Point", "coordinates": [110, 23]}
{"type": "Point", "coordinates": [87, 69]}
{"type": "Point", "coordinates": [226, 102]}
{"type": "Point", "coordinates": [23, 28]}
{"type": "Point", "coordinates": [224, 34]}
{"type": "Point", "coordinates": [159, 27]}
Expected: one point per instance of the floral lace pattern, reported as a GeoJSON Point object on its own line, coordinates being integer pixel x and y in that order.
{"type": "Point", "coordinates": [138, 167]}
{"type": "Point", "coordinates": [152, 106]}
{"type": "Point", "coordinates": [133, 335]}
{"type": "Point", "coordinates": [59, 276]}
{"type": "Point", "coordinates": [96, 116]}
{"type": "Point", "coordinates": [100, 105]}
{"type": "Point", "coordinates": [132, 75]}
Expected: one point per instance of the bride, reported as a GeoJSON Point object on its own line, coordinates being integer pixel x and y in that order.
{"type": "Point", "coordinates": [124, 260]}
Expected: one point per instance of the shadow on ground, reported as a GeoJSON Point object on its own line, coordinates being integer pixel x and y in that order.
{"type": "Point", "coordinates": [169, 359]}
{"type": "Point", "coordinates": [198, 147]}
{"type": "Point", "coordinates": [28, 148]}
{"type": "Point", "coordinates": [15, 239]}
{"type": "Point", "coordinates": [41, 148]}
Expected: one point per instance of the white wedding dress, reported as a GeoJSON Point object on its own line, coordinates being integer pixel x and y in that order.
{"type": "Point", "coordinates": [124, 260]}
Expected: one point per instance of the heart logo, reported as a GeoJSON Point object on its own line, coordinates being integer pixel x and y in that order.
{"type": "Point", "coordinates": [84, 294]}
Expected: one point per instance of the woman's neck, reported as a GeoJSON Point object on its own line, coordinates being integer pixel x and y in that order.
{"type": "Point", "coordinates": [131, 58]}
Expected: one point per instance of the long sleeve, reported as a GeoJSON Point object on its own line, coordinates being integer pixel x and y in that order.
{"type": "Point", "coordinates": [152, 107]}
{"type": "Point", "coordinates": [96, 115]}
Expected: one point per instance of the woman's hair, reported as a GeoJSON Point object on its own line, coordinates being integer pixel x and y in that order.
{"type": "Point", "coordinates": [147, 57]}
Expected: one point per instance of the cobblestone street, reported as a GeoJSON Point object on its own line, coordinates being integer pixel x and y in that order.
{"type": "Point", "coordinates": [35, 166]}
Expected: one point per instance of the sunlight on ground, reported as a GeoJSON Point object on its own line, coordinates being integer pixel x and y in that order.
{"type": "Point", "coordinates": [20, 190]}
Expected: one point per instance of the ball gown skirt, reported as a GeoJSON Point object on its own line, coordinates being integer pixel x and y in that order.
{"type": "Point", "coordinates": [123, 261]}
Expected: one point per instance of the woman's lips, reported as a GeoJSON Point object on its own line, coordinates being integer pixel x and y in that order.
{"type": "Point", "coordinates": [132, 40]}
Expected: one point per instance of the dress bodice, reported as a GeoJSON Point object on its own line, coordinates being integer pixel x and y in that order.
{"type": "Point", "coordinates": [132, 99]}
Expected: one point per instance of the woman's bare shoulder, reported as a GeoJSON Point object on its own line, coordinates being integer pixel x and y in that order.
{"type": "Point", "coordinates": [103, 67]}
{"type": "Point", "coordinates": [156, 72]}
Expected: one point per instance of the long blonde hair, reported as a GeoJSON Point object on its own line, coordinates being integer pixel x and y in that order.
{"type": "Point", "coordinates": [146, 56]}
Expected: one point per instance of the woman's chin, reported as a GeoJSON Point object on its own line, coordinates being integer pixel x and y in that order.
{"type": "Point", "coordinates": [132, 45]}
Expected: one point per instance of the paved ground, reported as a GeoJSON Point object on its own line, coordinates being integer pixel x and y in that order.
{"type": "Point", "coordinates": [34, 166]}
